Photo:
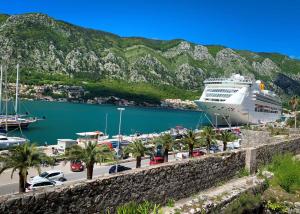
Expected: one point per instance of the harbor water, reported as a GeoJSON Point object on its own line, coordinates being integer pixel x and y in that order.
{"type": "Point", "coordinates": [64, 120]}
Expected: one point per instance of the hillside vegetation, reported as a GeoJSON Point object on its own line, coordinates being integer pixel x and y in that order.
{"type": "Point", "coordinates": [51, 51]}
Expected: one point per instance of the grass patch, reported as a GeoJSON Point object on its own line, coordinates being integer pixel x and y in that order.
{"type": "Point", "coordinates": [246, 203]}
{"type": "Point", "coordinates": [278, 131]}
{"type": "Point", "coordinates": [286, 171]}
{"type": "Point", "coordinates": [243, 172]}
{"type": "Point", "coordinates": [135, 208]}
{"type": "Point", "coordinates": [170, 202]}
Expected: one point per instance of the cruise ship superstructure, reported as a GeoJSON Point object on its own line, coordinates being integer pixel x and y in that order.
{"type": "Point", "coordinates": [239, 100]}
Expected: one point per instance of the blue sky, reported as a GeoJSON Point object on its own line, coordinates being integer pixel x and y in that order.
{"type": "Point", "coordinates": [258, 25]}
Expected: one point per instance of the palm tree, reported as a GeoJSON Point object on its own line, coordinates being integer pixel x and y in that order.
{"type": "Point", "coordinates": [294, 105]}
{"type": "Point", "coordinates": [90, 154]}
{"type": "Point", "coordinates": [22, 158]}
{"type": "Point", "coordinates": [190, 139]}
{"type": "Point", "coordinates": [167, 143]}
{"type": "Point", "coordinates": [208, 134]}
{"type": "Point", "coordinates": [138, 150]}
{"type": "Point", "coordinates": [226, 137]}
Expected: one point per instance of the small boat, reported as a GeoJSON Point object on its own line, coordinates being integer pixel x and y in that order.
{"type": "Point", "coordinates": [95, 136]}
{"type": "Point", "coordinates": [8, 142]}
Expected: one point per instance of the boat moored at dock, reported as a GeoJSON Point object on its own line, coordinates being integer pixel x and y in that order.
{"type": "Point", "coordinates": [9, 142]}
{"type": "Point", "coordinates": [239, 100]}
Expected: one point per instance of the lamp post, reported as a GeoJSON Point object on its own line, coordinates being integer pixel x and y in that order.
{"type": "Point", "coordinates": [217, 114]}
{"type": "Point", "coordinates": [248, 122]}
{"type": "Point", "coordinates": [119, 136]}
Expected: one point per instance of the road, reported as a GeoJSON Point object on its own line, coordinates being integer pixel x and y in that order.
{"type": "Point", "coordinates": [10, 185]}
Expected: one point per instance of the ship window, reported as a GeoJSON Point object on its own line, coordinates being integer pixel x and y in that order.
{"type": "Point", "coordinates": [222, 90]}
{"type": "Point", "coordinates": [217, 95]}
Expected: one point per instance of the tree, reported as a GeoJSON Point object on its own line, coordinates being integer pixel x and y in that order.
{"type": "Point", "coordinates": [190, 139]}
{"type": "Point", "coordinates": [90, 154]}
{"type": "Point", "coordinates": [22, 158]}
{"type": "Point", "coordinates": [294, 105]}
{"type": "Point", "coordinates": [226, 137]}
{"type": "Point", "coordinates": [167, 143]}
{"type": "Point", "coordinates": [208, 134]}
{"type": "Point", "coordinates": [138, 150]}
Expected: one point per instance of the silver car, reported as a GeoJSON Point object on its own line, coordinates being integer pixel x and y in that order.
{"type": "Point", "coordinates": [52, 175]}
{"type": "Point", "coordinates": [42, 183]}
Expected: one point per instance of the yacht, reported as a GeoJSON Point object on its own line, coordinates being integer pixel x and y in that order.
{"type": "Point", "coordinates": [12, 121]}
{"type": "Point", "coordinates": [238, 100]}
{"type": "Point", "coordinates": [9, 142]}
{"type": "Point", "coordinates": [15, 122]}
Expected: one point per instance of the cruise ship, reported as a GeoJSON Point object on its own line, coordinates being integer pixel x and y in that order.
{"type": "Point", "coordinates": [238, 100]}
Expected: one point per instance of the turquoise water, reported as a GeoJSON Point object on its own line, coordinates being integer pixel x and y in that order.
{"type": "Point", "coordinates": [63, 120]}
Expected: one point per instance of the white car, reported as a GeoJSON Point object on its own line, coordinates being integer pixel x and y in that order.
{"type": "Point", "coordinates": [42, 183]}
{"type": "Point", "coordinates": [182, 155]}
{"type": "Point", "coordinates": [52, 175]}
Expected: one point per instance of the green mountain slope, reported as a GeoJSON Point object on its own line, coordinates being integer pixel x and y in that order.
{"type": "Point", "coordinates": [51, 51]}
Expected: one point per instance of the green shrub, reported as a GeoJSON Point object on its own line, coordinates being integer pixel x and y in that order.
{"type": "Point", "coordinates": [278, 131]}
{"type": "Point", "coordinates": [275, 207]}
{"type": "Point", "coordinates": [135, 208]}
{"type": "Point", "coordinates": [243, 172]}
{"type": "Point", "coordinates": [246, 203]}
{"type": "Point", "coordinates": [286, 171]}
{"type": "Point", "coordinates": [171, 202]}
{"type": "Point", "coordinates": [291, 121]}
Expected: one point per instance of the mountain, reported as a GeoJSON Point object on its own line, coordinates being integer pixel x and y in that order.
{"type": "Point", "coordinates": [53, 50]}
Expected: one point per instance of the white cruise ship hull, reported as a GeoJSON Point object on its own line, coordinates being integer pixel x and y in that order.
{"type": "Point", "coordinates": [238, 100]}
{"type": "Point", "coordinates": [221, 115]}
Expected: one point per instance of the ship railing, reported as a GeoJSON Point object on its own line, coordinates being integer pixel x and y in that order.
{"type": "Point", "coordinates": [230, 80]}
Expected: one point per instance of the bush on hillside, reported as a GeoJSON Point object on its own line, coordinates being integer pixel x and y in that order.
{"type": "Point", "coordinates": [286, 171]}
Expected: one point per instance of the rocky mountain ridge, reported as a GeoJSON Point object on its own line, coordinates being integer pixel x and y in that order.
{"type": "Point", "coordinates": [44, 45]}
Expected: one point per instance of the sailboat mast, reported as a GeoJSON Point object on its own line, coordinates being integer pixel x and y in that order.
{"type": "Point", "coordinates": [17, 91]}
{"type": "Point", "coordinates": [1, 75]}
{"type": "Point", "coordinates": [6, 101]}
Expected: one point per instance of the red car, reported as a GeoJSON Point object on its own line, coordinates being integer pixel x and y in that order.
{"type": "Point", "coordinates": [198, 153]}
{"type": "Point", "coordinates": [76, 166]}
{"type": "Point", "coordinates": [156, 160]}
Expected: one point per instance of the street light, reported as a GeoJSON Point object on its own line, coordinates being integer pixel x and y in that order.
{"type": "Point", "coordinates": [119, 136]}
{"type": "Point", "coordinates": [217, 119]}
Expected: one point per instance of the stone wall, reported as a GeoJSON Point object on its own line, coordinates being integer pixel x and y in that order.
{"type": "Point", "coordinates": [157, 184]}
{"type": "Point", "coordinates": [263, 154]}
{"type": "Point", "coordinates": [173, 180]}
{"type": "Point", "coordinates": [252, 138]}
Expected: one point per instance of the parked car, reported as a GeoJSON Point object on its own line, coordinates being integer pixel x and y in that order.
{"type": "Point", "coordinates": [214, 149]}
{"type": "Point", "coordinates": [198, 153]}
{"type": "Point", "coordinates": [184, 155]}
{"type": "Point", "coordinates": [39, 183]}
{"type": "Point", "coordinates": [52, 175]}
{"type": "Point", "coordinates": [156, 160]}
{"type": "Point", "coordinates": [181, 155]}
{"type": "Point", "coordinates": [76, 166]}
{"type": "Point", "coordinates": [120, 168]}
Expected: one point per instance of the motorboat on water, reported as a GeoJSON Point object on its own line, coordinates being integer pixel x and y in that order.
{"type": "Point", "coordinates": [9, 142]}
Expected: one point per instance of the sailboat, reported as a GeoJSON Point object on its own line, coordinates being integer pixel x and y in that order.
{"type": "Point", "coordinates": [15, 121]}
{"type": "Point", "coordinates": [7, 142]}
